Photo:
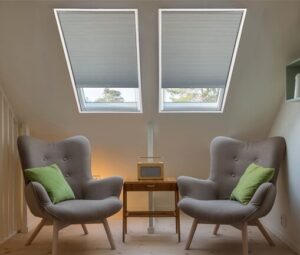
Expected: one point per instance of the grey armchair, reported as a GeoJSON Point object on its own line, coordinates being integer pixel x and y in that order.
{"type": "Point", "coordinates": [95, 201]}
{"type": "Point", "coordinates": [208, 201]}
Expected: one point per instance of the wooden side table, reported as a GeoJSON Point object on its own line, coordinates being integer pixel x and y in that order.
{"type": "Point", "coordinates": [167, 184]}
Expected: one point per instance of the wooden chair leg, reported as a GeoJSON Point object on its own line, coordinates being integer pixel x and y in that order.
{"type": "Point", "coordinates": [191, 235]}
{"type": "Point", "coordinates": [55, 238]}
{"type": "Point", "coordinates": [109, 235]}
{"type": "Point", "coordinates": [36, 231]}
{"type": "Point", "coordinates": [265, 233]}
{"type": "Point", "coordinates": [217, 226]}
{"type": "Point", "coordinates": [245, 239]}
{"type": "Point", "coordinates": [84, 229]}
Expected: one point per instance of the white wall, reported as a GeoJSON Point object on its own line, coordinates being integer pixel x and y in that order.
{"type": "Point", "coordinates": [287, 124]}
{"type": "Point", "coordinates": [35, 75]}
{"type": "Point", "coordinates": [287, 203]}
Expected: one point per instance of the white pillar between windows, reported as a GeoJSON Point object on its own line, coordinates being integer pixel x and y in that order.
{"type": "Point", "coordinates": [150, 149]}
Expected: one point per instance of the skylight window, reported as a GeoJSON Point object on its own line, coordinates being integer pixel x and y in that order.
{"type": "Point", "coordinates": [196, 56]}
{"type": "Point", "coordinates": [102, 53]}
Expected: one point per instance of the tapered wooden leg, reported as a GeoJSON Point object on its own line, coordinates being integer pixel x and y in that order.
{"type": "Point", "coordinates": [245, 239]}
{"type": "Point", "coordinates": [55, 238]}
{"type": "Point", "coordinates": [191, 235]}
{"type": "Point", "coordinates": [265, 233]}
{"type": "Point", "coordinates": [217, 226]}
{"type": "Point", "coordinates": [84, 229]}
{"type": "Point", "coordinates": [36, 231]}
{"type": "Point", "coordinates": [108, 233]}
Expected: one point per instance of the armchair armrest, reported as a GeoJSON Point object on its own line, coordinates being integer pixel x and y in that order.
{"type": "Point", "coordinates": [263, 200]}
{"type": "Point", "coordinates": [39, 192]}
{"type": "Point", "coordinates": [264, 195]}
{"type": "Point", "coordinates": [37, 199]}
{"type": "Point", "coordinates": [196, 188]}
{"type": "Point", "coordinates": [100, 189]}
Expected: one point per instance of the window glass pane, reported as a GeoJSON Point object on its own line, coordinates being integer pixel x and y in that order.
{"type": "Point", "coordinates": [110, 99]}
{"type": "Point", "coordinates": [110, 95]}
{"type": "Point", "coordinates": [192, 99]}
{"type": "Point", "coordinates": [191, 95]}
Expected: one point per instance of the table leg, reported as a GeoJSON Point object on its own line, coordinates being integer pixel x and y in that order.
{"type": "Point", "coordinates": [177, 214]}
{"type": "Point", "coordinates": [124, 214]}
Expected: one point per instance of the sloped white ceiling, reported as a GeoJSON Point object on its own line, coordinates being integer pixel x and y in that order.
{"type": "Point", "coordinates": [34, 75]}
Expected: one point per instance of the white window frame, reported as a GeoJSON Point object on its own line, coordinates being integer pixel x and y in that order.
{"type": "Point", "coordinates": [78, 97]}
{"type": "Point", "coordinates": [224, 93]}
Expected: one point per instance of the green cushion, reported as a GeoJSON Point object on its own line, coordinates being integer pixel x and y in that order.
{"type": "Point", "coordinates": [249, 182]}
{"type": "Point", "coordinates": [53, 181]}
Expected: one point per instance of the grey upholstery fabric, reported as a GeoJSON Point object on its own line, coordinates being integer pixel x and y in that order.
{"type": "Point", "coordinates": [100, 189]}
{"type": "Point", "coordinates": [95, 199]}
{"type": "Point", "coordinates": [216, 211]}
{"type": "Point", "coordinates": [79, 211]}
{"type": "Point", "coordinates": [37, 198]}
{"type": "Point", "coordinates": [208, 200]}
{"type": "Point", "coordinates": [197, 189]}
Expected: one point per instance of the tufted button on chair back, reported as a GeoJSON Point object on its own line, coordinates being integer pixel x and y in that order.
{"type": "Point", "coordinates": [71, 155]}
{"type": "Point", "coordinates": [230, 158]}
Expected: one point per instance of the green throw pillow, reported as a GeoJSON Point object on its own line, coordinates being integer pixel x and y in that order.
{"type": "Point", "coordinates": [249, 182]}
{"type": "Point", "coordinates": [53, 181]}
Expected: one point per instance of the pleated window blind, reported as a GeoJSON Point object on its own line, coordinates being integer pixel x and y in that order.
{"type": "Point", "coordinates": [197, 51]}
{"type": "Point", "coordinates": [101, 48]}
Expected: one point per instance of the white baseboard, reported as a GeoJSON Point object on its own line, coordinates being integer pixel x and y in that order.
{"type": "Point", "coordinates": [281, 236]}
{"type": "Point", "coordinates": [29, 227]}
{"type": "Point", "coordinates": [8, 237]}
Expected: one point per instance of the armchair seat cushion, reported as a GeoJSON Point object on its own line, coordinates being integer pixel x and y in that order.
{"type": "Point", "coordinates": [83, 211]}
{"type": "Point", "coordinates": [216, 211]}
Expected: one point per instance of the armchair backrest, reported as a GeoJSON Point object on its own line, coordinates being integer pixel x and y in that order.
{"type": "Point", "coordinates": [231, 157]}
{"type": "Point", "coordinates": [72, 156]}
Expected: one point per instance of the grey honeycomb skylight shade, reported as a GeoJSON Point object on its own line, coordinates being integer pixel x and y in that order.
{"type": "Point", "coordinates": [197, 47]}
{"type": "Point", "coordinates": [102, 47]}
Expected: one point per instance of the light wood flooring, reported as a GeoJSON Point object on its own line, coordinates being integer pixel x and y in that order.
{"type": "Point", "coordinates": [73, 241]}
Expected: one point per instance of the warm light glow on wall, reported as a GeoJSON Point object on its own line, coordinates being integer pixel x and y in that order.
{"type": "Point", "coordinates": [96, 169]}
{"type": "Point", "coordinates": [101, 169]}
{"type": "Point", "coordinates": [107, 163]}
{"type": "Point", "coordinates": [97, 176]}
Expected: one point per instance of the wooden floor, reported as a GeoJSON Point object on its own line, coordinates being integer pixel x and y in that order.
{"type": "Point", "coordinates": [138, 242]}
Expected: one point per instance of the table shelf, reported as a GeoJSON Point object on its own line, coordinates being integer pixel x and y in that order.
{"type": "Point", "coordinates": [151, 214]}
